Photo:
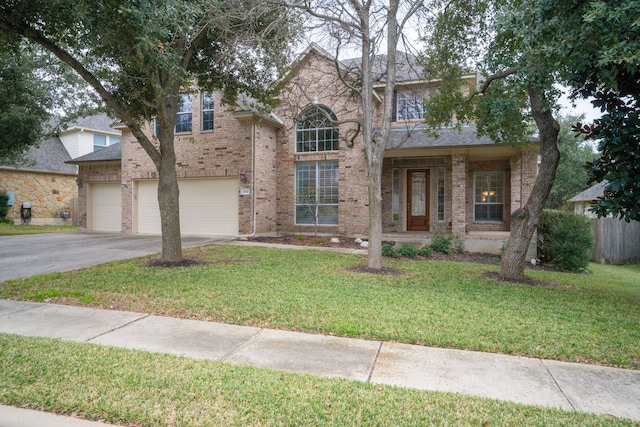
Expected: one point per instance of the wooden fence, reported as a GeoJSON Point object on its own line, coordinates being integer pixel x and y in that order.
{"type": "Point", "coordinates": [616, 241]}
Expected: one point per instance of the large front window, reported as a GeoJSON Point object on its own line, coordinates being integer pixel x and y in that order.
{"type": "Point", "coordinates": [316, 130]}
{"type": "Point", "coordinates": [317, 193]}
{"type": "Point", "coordinates": [489, 196]}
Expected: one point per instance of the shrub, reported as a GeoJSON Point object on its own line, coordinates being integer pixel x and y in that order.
{"type": "Point", "coordinates": [389, 251]}
{"type": "Point", "coordinates": [458, 244]}
{"type": "Point", "coordinates": [442, 243]}
{"type": "Point", "coordinates": [426, 251]}
{"type": "Point", "coordinates": [4, 205]}
{"type": "Point", "coordinates": [565, 238]}
{"type": "Point", "coordinates": [407, 250]}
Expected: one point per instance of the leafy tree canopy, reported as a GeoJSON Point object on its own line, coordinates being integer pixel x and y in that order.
{"type": "Point", "coordinates": [34, 86]}
{"type": "Point", "coordinates": [571, 176]}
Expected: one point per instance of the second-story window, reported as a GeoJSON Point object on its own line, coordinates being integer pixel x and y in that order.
{"type": "Point", "coordinates": [99, 142]}
{"type": "Point", "coordinates": [409, 105]}
{"type": "Point", "coordinates": [316, 130]}
{"type": "Point", "coordinates": [185, 110]}
{"type": "Point", "coordinates": [207, 111]}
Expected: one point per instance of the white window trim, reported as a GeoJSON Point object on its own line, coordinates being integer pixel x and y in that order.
{"type": "Point", "coordinates": [295, 194]}
{"type": "Point", "coordinates": [493, 173]}
{"type": "Point", "coordinates": [297, 131]}
{"type": "Point", "coordinates": [203, 110]}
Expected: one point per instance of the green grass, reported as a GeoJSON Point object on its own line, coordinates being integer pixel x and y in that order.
{"type": "Point", "coordinates": [589, 318]}
{"type": "Point", "coordinates": [139, 388]}
{"type": "Point", "coordinates": [19, 229]}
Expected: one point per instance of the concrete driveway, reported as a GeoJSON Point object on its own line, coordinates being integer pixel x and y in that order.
{"type": "Point", "coordinates": [24, 256]}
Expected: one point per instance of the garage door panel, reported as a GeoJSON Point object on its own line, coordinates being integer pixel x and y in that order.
{"type": "Point", "coordinates": [207, 207]}
{"type": "Point", "coordinates": [106, 207]}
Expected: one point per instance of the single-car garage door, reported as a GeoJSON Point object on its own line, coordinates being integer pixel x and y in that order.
{"type": "Point", "coordinates": [105, 207]}
{"type": "Point", "coordinates": [208, 207]}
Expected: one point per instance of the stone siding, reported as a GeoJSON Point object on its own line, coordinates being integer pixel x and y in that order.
{"type": "Point", "coordinates": [51, 195]}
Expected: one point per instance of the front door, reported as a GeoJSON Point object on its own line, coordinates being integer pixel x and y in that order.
{"type": "Point", "coordinates": [418, 197]}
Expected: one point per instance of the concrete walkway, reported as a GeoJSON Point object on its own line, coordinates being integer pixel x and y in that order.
{"type": "Point", "coordinates": [569, 386]}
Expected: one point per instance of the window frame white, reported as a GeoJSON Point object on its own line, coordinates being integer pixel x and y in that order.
{"type": "Point", "coordinates": [490, 199]}
{"type": "Point", "coordinates": [210, 98]}
{"type": "Point", "coordinates": [320, 187]}
{"type": "Point", "coordinates": [312, 127]}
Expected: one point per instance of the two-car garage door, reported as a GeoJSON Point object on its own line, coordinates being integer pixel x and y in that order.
{"type": "Point", "coordinates": [208, 207]}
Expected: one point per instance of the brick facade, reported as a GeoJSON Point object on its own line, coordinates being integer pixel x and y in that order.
{"type": "Point", "coordinates": [315, 83]}
{"type": "Point", "coordinates": [261, 154]}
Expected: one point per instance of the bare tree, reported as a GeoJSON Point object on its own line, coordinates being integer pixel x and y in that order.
{"type": "Point", "coordinates": [368, 27]}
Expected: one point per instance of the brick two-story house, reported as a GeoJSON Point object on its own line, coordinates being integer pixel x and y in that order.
{"type": "Point", "coordinates": [242, 172]}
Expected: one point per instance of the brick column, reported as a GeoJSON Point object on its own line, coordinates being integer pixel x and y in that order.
{"type": "Point", "coordinates": [516, 183]}
{"type": "Point", "coordinates": [458, 193]}
{"type": "Point", "coordinates": [529, 172]}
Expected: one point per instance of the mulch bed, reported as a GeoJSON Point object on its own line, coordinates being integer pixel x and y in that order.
{"type": "Point", "coordinates": [470, 257]}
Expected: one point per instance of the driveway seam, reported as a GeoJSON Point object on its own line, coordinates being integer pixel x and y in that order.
{"type": "Point", "coordinates": [118, 327]}
{"type": "Point", "coordinates": [558, 385]}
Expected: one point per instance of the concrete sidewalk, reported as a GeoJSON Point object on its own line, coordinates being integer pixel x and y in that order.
{"type": "Point", "coordinates": [569, 386]}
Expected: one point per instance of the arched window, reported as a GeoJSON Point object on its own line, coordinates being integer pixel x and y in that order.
{"type": "Point", "coordinates": [316, 130]}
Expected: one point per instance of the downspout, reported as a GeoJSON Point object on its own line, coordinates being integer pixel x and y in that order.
{"type": "Point", "coordinates": [253, 180]}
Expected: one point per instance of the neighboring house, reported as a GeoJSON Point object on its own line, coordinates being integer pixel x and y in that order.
{"type": "Point", "coordinates": [45, 180]}
{"type": "Point", "coordinates": [89, 134]}
{"type": "Point", "coordinates": [243, 172]}
{"type": "Point", "coordinates": [583, 202]}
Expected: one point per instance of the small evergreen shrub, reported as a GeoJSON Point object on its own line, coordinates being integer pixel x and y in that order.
{"type": "Point", "coordinates": [4, 205]}
{"type": "Point", "coordinates": [426, 251]}
{"type": "Point", "coordinates": [442, 243]}
{"type": "Point", "coordinates": [389, 251]}
{"type": "Point", "coordinates": [407, 250]}
{"type": "Point", "coordinates": [565, 238]}
{"type": "Point", "coordinates": [458, 244]}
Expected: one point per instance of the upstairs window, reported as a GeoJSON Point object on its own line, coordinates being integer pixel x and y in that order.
{"type": "Point", "coordinates": [316, 130]}
{"type": "Point", "coordinates": [185, 110]}
{"type": "Point", "coordinates": [184, 118]}
{"type": "Point", "coordinates": [207, 111]}
{"type": "Point", "coordinates": [99, 142]}
{"type": "Point", "coordinates": [409, 105]}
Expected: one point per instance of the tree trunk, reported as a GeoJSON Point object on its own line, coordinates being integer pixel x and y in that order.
{"type": "Point", "coordinates": [524, 221]}
{"type": "Point", "coordinates": [168, 201]}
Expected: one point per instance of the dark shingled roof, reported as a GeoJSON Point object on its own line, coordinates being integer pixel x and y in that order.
{"type": "Point", "coordinates": [591, 193]}
{"type": "Point", "coordinates": [404, 137]}
{"type": "Point", "coordinates": [100, 122]}
{"type": "Point", "coordinates": [110, 153]}
{"type": "Point", "coordinates": [49, 155]}
{"type": "Point", "coordinates": [407, 67]}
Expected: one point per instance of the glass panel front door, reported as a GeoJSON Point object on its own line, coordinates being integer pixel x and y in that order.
{"type": "Point", "coordinates": [418, 197]}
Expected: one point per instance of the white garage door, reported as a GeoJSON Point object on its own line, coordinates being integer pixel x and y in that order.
{"type": "Point", "coordinates": [208, 207]}
{"type": "Point", "coordinates": [105, 210]}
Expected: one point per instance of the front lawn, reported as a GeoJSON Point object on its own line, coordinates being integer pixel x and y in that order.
{"type": "Point", "coordinates": [18, 229]}
{"type": "Point", "coordinates": [585, 318]}
{"type": "Point", "coordinates": [139, 388]}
